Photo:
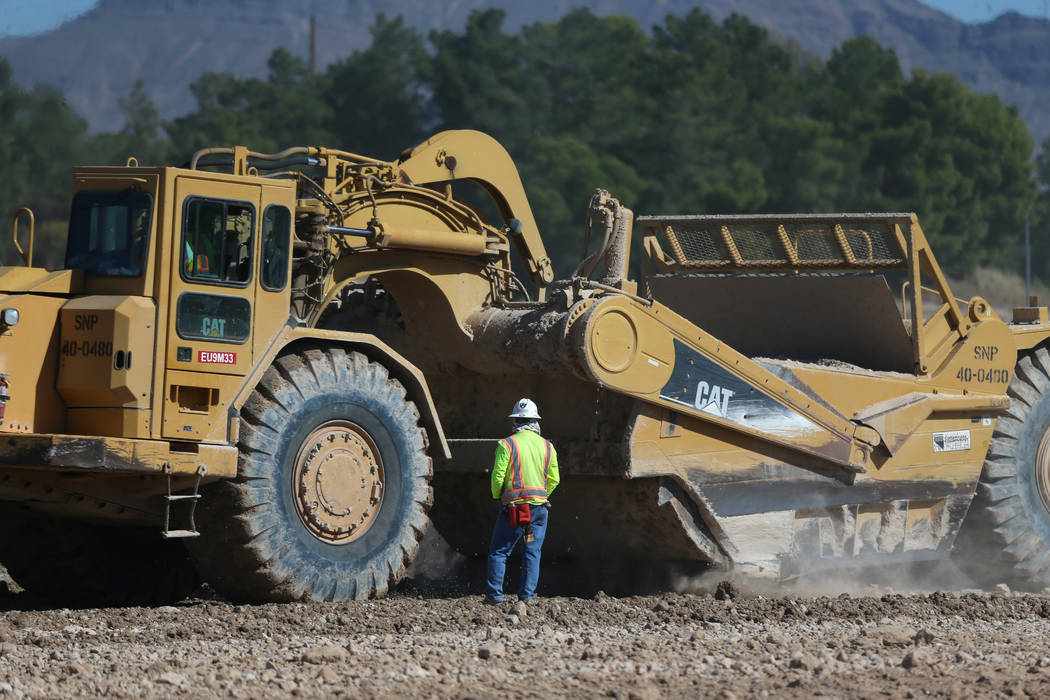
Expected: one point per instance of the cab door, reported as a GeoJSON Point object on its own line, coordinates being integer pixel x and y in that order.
{"type": "Point", "coordinates": [210, 330]}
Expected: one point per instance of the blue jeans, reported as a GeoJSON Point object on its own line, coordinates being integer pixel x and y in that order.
{"type": "Point", "coordinates": [504, 539]}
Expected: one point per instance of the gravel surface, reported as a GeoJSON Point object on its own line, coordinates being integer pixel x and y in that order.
{"type": "Point", "coordinates": [727, 643]}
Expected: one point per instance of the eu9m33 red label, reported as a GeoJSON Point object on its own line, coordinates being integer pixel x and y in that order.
{"type": "Point", "coordinates": [209, 357]}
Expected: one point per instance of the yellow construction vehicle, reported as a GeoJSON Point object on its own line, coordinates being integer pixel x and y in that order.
{"type": "Point", "coordinates": [270, 371]}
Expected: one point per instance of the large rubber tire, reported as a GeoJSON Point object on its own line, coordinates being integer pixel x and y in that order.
{"type": "Point", "coordinates": [78, 564]}
{"type": "Point", "coordinates": [254, 544]}
{"type": "Point", "coordinates": [1006, 535]}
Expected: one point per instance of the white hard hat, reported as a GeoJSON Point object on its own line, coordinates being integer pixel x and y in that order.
{"type": "Point", "coordinates": [525, 408]}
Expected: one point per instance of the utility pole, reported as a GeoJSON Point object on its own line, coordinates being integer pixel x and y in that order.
{"type": "Point", "coordinates": [313, 44]}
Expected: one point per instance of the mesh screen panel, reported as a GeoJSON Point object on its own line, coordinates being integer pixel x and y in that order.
{"type": "Point", "coordinates": [791, 241]}
{"type": "Point", "coordinates": [873, 243]}
{"type": "Point", "coordinates": [758, 243]}
{"type": "Point", "coordinates": [699, 245]}
{"type": "Point", "coordinates": [815, 243]}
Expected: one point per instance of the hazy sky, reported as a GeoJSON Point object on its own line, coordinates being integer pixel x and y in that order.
{"type": "Point", "coordinates": [984, 10]}
{"type": "Point", "coordinates": [32, 16]}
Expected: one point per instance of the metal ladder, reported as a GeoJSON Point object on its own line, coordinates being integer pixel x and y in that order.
{"type": "Point", "coordinates": [172, 498]}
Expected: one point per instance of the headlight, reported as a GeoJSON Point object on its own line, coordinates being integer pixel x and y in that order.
{"type": "Point", "coordinates": [9, 317]}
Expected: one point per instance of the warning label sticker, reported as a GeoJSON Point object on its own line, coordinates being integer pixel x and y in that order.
{"type": "Point", "coordinates": [951, 441]}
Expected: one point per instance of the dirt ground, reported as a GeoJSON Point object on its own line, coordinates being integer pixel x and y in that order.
{"type": "Point", "coordinates": [725, 643]}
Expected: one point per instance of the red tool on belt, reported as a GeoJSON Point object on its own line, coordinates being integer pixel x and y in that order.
{"type": "Point", "coordinates": [520, 514]}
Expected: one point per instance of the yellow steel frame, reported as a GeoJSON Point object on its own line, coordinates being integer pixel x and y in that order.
{"type": "Point", "coordinates": [932, 338]}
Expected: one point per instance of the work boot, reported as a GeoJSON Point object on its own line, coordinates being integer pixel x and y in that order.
{"type": "Point", "coordinates": [492, 601]}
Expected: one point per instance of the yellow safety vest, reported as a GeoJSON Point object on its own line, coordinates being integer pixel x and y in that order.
{"type": "Point", "coordinates": [525, 470]}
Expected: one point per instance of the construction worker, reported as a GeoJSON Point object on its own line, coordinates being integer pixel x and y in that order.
{"type": "Point", "coordinates": [524, 475]}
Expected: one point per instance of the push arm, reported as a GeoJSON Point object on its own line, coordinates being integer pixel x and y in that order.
{"type": "Point", "coordinates": [471, 155]}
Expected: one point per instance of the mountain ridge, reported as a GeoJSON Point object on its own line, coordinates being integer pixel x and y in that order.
{"type": "Point", "coordinates": [96, 57]}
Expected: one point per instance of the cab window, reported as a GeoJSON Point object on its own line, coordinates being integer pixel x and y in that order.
{"type": "Point", "coordinates": [217, 239]}
{"type": "Point", "coordinates": [109, 233]}
{"type": "Point", "coordinates": [276, 230]}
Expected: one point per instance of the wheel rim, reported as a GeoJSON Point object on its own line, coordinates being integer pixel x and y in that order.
{"type": "Point", "coordinates": [338, 482]}
{"type": "Point", "coordinates": [1042, 470]}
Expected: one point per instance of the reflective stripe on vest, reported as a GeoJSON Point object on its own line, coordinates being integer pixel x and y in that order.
{"type": "Point", "coordinates": [515, 464]}
{"type": "Point", "coordinates": [523, 493]}
{"type": "Point", "coordinates": [518, 490]}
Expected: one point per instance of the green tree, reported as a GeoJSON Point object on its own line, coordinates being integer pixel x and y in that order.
{"type": "Point", "coordinates": [41, 138]}
{"type": "Point", "coordinates": [1040, 215]}
{"type": "Point", "coordinates": [142, 125]}
{"type": "Point", "coordinates": [559, 96]}
{"type": "Point", "coordinates": [564, 172]}
{"type": "Point", "coordinates": [692, 117]}
{"type": "Point", "coordinates": [704, 147]}
{"type": "Point", "coordinates": [141, 136]}
{"type": "Point", "coordinates": [847, 94]}
{"type": "Point", "coordinates": [287, 109]}
{"type": "Point", "coordinates": [962, 161]}
{"type": "Point", "coordinates": [927, 144]}
{"type": "Point", "coordinates": [481, 80]}
{"type": "Point", "coordinates": [593, 80]}
{"type": "Point", "coordinates": [376, 96]}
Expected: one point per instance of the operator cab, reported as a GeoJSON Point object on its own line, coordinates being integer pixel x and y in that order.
{"type": "Point", "coordinates": [185, 281]}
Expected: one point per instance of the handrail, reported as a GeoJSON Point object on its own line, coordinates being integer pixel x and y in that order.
{"type": "Point", "coordinates": [277, 157]}
{"type": "Point", "coordinates": [26, 257]}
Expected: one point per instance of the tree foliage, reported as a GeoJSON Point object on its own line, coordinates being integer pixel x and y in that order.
{"type": "Point", "coordinates": [690, 117]}
{"type": "Point", "coordinates": [41, 138]}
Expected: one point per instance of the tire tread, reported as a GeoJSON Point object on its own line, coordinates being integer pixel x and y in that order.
{"type": "Point", "coordinates": [248, 557]}
{"type": "Point", "coordinates": [1005, 539]}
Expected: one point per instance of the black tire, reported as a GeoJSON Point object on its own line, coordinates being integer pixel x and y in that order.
{"type": "Point", "coordinates": [80, 564]}
{"type": "Point", "coordinates": [1006, 535]}
{"type": "Point", "coordinates": [254, 544]}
